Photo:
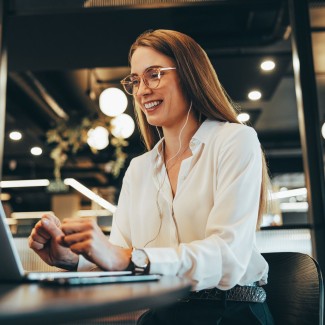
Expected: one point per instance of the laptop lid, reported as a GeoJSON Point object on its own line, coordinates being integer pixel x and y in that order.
{"type": "Point", "coordinates": [11, 268]}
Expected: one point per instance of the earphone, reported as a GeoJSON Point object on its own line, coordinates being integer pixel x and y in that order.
{"type": "Point", "coordinates": [164, 178]}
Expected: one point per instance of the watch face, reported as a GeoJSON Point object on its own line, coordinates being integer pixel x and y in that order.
{"type": "Point", "coordinates": [140, 258]}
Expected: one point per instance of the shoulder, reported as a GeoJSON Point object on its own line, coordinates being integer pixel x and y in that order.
{"type": "Point", "coordinates": [234, 139]}
{"type": "Point", "coordinates": [239, 132]}
{"type": "Point", "coordinates": [229, 133]}
{"type": "Point", "coordinates": [139, 164]}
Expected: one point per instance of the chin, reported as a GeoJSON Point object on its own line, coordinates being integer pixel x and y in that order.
{"type": "Point", "coordinates": [153, 121]}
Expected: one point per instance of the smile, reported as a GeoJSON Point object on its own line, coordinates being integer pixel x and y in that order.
{"type": "Point", "coordinates": [152, 105]}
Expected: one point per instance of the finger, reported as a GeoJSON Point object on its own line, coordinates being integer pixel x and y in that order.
{"type": "Point", "coordinates": [52, 218]}
{"type": "Point", "coordinates": [84, 248]}
{"type": "Point", "coordinates": [37, 237]}
{"type": "Point", "coordinates": [77, 238]}
{"type": "Point", "coordinates": [35, 245]}
{"type": "Point", "coordinates": [51, 227]}
{"type": "Point", "coordinates": [39, 230]}
{"type": "Point", "coordinates": [78, 226]}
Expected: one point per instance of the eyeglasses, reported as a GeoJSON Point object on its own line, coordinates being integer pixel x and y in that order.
{"type": "Point", "coordinates": [151, 78]}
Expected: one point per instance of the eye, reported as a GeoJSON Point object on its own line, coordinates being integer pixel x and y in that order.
{"type": "Point", "coordinates": [152, 74]}
{"type": "Point", "coordinates": [134, 80]}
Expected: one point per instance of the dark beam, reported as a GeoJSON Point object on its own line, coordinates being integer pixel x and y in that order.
{"type": "Point", "coordinates": [309, 123]}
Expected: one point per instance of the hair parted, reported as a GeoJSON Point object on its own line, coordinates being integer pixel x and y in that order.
{"type": "Point", "coordinates": [200, 85]}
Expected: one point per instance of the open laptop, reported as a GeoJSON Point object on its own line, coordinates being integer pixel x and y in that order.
{"type": "Point", "coordinates": [12, 269]}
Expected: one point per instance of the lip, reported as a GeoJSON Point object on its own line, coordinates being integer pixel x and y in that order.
{"type": "Point", "coordinates": [152, 105]}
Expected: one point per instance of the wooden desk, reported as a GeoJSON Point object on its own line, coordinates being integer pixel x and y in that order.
{"type": "Point", "coordinates": [37, 304]}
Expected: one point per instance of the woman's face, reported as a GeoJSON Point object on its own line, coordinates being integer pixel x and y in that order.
{"type": "Point", "coordinates": [165, 105]}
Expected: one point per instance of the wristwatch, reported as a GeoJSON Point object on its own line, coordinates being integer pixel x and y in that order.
{"type": "Point", "coordinates": [140, 260]}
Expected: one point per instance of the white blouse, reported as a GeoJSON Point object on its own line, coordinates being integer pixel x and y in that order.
{"type": "Point", "coordinates": [207, 231]}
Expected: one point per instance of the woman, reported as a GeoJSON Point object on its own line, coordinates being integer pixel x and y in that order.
{"type": "Point", "coordinates": [191, 204]}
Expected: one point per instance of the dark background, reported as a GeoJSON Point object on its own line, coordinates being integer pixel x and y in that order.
{"type": "Point", "coordinates": [54, 47]}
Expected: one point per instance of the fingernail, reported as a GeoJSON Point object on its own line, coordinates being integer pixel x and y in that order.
{"type": "Point", "coordinates": [45, 222]}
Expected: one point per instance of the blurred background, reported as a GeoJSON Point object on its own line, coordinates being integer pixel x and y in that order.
{"type": "Point", "coordinates": [64, 55]}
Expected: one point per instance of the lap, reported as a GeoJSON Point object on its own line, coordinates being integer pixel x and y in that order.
{"type": "Point", "coordinates": [208, 313]}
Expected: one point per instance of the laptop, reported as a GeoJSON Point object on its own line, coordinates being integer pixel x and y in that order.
{"type": "Point", "coordinates": [12, 269]}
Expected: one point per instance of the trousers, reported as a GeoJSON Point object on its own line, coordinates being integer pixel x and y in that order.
{"type": "Point", "coordinates": [209, 312]}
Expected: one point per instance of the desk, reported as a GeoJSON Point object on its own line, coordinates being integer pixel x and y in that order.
{"type": "Point", "coordinates": [38, 304]}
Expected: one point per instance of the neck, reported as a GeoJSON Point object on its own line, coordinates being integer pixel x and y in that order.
{"type": "Point", "coordinates": [172, 136]}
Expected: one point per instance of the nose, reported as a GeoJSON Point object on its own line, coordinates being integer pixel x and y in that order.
{"type": "Point", "coordinates": [143, 89]}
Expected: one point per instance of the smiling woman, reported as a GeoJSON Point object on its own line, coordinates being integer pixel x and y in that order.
{"type": "Point", "coordinates": [191, 204]}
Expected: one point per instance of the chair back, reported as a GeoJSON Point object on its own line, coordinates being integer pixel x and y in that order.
{"type": "Point", "coordinates": [295, 293]}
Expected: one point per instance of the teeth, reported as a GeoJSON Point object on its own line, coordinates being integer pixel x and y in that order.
{"type": "Point", "coordinates": [152, 104]}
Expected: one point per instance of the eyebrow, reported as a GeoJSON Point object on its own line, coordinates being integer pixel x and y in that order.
{"type": "Point", "coordinates": [152, 66]}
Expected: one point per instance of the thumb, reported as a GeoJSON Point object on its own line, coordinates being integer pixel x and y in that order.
{"type": "Point", "coordinates": [51, 227]}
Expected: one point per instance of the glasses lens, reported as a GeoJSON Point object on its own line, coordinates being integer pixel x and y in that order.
{"type": "Point", "coordinates": [130, 84]}
{"type": "Point", "coordinates": [152, 77]}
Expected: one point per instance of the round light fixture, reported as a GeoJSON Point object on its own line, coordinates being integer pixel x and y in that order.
{"type": "Point", "coordinates": [15, 135]}
{"type": "Point", "coordinates": [122, 126]}
{"type": "Point", "coordinates": [98, 138]}
{"type": "Point", "coordinates": [113, 102]}
{"type": "Point", "coordinates": [243, 117]}
{"type": "Point", "coordinates": [254, 95]}
{"type": "Point", "coordinates": [36, 151]}
{"type": "Point", "coordinates": [323, 130]}
{"type": "Point", "coordinates": [268, 65]}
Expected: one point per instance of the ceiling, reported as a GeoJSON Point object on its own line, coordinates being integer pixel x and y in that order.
{"type": "Point", "coordinates": [54, 47]}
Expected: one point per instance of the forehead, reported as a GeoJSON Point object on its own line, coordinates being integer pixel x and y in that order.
{"type": "Point", "coordinates": [145, 57]}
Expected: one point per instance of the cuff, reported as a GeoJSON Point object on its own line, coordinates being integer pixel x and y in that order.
{"type": "Point", "coordinates": [163, 260]}
{"type": "Point", "coordinates": [84, 265]}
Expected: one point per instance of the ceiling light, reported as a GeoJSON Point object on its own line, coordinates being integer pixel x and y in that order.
{"type": "Point", "coordinates": [98, 138]}
{"type": "Point", "coordinates": [122, 126]}
{"type": "Point", "coordinates": [289, 193]}
{"type": "Point", "coordinates": [113, 102]}
{"type": "Point", "coordinates": [15, 135]}
{"type": "Point", "coordinates": [323, 130]}
{"type": "Point", "coordinates": [25, 183]}
{"type": "Point", "coordinates": [267, 65]}
{"type": "Point", "coordinates": [90, 194]}
{"type": "Point", "coordinates": [294, 207]}
{"type": "Point", "coordinates": [243, 117]}
{"type": "Point", "coordinates": [36, 151]}
{"type": "Point", "coordinates": [254, 95]}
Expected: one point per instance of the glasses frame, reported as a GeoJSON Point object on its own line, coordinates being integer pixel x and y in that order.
{"type": "Point", "coordinates": [141, 77]}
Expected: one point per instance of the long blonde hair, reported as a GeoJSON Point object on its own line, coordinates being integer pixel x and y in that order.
{"type": "Point", "coordinates": [200, 85]}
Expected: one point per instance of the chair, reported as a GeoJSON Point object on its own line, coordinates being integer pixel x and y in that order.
{"type": "Point", "coordinates": [295, 293]}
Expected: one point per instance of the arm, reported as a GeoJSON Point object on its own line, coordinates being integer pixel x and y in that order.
{"type": "Point", "coordinates": [85, 238]}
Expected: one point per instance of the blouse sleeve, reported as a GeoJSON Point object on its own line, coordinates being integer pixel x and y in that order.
{"type": "Point", "coordinates": [120, 232]}
{"type": "Point", "coordinates": [222, 258]}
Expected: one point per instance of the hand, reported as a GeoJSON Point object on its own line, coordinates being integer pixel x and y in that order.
{"type": "Point", "coordinates": [83, 236]}
{"type": "Point", "coordinates": [45, 241]}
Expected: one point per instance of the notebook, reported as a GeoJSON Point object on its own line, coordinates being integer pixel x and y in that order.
{"type": "Point", "coordinates": [12, 269]}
